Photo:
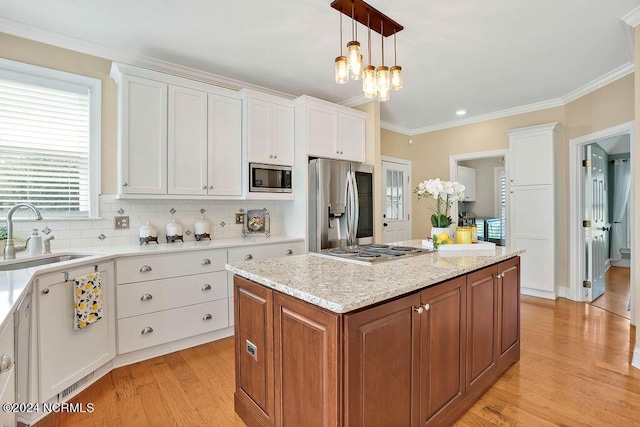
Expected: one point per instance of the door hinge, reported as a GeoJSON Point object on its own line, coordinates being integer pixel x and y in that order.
{"type": "Point", "coordinates": [586, 284]}
{"type": "Point", "coordinates": [586, 163]}
{"type": "Point", "coordinates": [586, 223]}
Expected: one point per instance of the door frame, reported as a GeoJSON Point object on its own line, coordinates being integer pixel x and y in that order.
{"type": "Point", "coordinates": [576, 200]}
{"type": "Point", "coordinates": [453, 174]}
{"type": "Point", "coordinates": [407, 205]}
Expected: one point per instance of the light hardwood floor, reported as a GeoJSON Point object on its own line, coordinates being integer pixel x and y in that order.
{"type": "Point", "coordinates": [574, 371]}
{"type": "Point", "coordinates": [617, 290]}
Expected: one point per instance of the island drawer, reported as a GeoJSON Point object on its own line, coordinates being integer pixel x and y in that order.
{"type": "Point", "coordinates": [148, 330]}
{"type": "Point", "coordinates": [155, 295]}
{"type": "Point", "coordinates": [140, 268]}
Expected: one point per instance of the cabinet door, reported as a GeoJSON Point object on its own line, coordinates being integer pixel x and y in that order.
{"type": "Point", "coordinates": [282, 135]}
{"type": "Point", "coordinates": [143, 139]}
{"type": "Point", "coordinates": [64, 354]}
{"type": "Point", "coordinates": [467, 177]}
{"type": "Point", "coordinates": [509, 311]}
{"type": "Point", "coordinates": [259, 131]}
{"type": "Point", "coordinates": [225, 146]}
{"type": "Point", "coordinates": [322, 132]}
{"type": "Point", "coordinates": [482, 328]}
{"type": "Point", "coordinates": [254, 350]}
{"type": "Point", "coordinates": [531, 158]}
{"type": "Point", "coordinates": [442, 343]}
{"type": "Point", "coordinates": [351, 137]}
{"type": "Point", "coordinates": [187, 141]}
{"type": "Point", "coordinates": [381, 365]}
{"type": "Point", "coordinates": [8, 419]}
{"type": "Point", "coordinates": [307, 348]}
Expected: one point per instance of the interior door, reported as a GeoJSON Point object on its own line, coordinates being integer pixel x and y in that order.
{"type": "Point", "coordinates": [595, 211]}
{"type": "Point", "coordinates": [397, 198]}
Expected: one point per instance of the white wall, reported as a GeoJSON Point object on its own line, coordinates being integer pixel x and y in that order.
{"type": "Point", "coordinates": [485, 203]}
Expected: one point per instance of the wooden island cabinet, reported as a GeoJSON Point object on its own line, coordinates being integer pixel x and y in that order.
{"type": "Point", "coordinates": [417, 360]}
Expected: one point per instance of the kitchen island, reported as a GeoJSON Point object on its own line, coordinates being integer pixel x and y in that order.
{"type": "Point", "coordinates": [407, 342]}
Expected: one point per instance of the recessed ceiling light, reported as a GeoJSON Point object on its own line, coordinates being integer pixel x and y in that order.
{"type": "Point", "coordinates": [461, 112]}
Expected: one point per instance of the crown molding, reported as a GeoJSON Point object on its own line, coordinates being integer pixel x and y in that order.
{"type": "Point", "coordinates": [60, 40]}
{"type": "Point", "coordinates": [632, 18]}
{"type": "Point", "coordinates": [396, 128]}
{"type": "Point", "coordinates": [356, 100]}
{"type": "Point", "coordinates": [598, 83]}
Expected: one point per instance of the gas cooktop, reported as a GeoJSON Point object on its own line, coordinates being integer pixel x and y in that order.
{"type": "Point", "coordinates": [373, 253]}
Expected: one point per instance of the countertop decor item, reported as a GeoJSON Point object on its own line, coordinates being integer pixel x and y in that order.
{"type": "Point", "coordinates": [201, 227]}
{"type": "Point", "coordinates": [174, 231]}
{"type": "Point", "coordinates": [258, 221]}
{"type": "Point", "coordinates": [148, 233]}
{"type": "Point", "coordinates": [445, 193]}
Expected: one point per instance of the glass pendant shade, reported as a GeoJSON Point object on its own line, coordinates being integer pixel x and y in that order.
{"type": "Point", "coordinates": [396, 77]}
{"type": "Point", "coordinates": [383, 78]}
{"type": "Point", "coordinates": [355, 59]}
{"type": "Point", "coordinates": [341, 70]}
{"type": "Point", "coordinates": [384, 95]}
{"type": "Point", "coordinates": [369, 82]}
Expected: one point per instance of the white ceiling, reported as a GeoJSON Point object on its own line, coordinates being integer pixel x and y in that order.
{"type": "Point", "coordinates": [484, 57]}
{"type": "Point", "coordinates": [618, 144]}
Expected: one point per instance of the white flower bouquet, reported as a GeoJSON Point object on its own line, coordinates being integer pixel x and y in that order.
{"type": "Point", "coordinates": [445, 193]}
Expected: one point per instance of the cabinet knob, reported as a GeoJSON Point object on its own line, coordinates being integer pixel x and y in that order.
{"type": "Point", "coordinates": [211, 187]}
{"type": "Point", "coordinates": [5, 363]}
{"type": "Point", "coordinates": [204, 187]}
{"type": "Point", "coordinates": [248, 257]}
{"type": "Point", "coordinates": [147, 330]}
{"type": "Point", "coordinates": [271, 156]}
{"type": "Point", "coordinates": [205, 261]}
{"type": "Point", "coordinates": [426, 307]}
{"type": "Point", "coordinates": [289, 252]}
{"type": "Point", "coordinates": [45, 291]}
{"type": "Point", "coordinates": [207, 317]}
{"type": "Point", "coordinates": [275, 156]}
{"type": "Point", "coordinates": [341, 152]}
{"type": "Point", "coordinates": [124, 184]}
{"type": "Point", "coordinates": [206, 287]}
{"type": "Point", "coordinates": [145, 269]}
{"type": "Point", "coordinates": [418, 309]}
{"type": "Point", "coordinates": [146, 297]}
{"type": "Point", "coordinates": [337, 151]}
{"type": "Point", "coordinates": [511, 180]}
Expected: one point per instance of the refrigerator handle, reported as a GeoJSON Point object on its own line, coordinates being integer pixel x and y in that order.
{"type": "Point", "coordinates": [348, 207]}
{"type": "Point", "coordinates": [356, 203]}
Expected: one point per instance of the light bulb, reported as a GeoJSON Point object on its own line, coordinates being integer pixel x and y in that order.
{"type": "Point", "coordinates": [342, 70]}
{"type": "Point", "coordinates": [396, 77]}
{"type": "Point", "coordinates": [384, 95]}
{"type": "Point", "coordinates": [369, 82]}
{"type": "Point", "coordinates": [382, 74]}
{"type": "Point", "coordinates": [355, 59]}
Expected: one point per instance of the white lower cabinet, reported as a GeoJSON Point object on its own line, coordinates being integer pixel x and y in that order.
{"type": "Point", "coordinates": [164, 298]}
{"type": "Point", "coordinates": [66, 355]}
{"type": "Point", "coordinates": [7, 377]}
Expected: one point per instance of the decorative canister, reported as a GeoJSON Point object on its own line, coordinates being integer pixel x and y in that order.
{"type": "Point", "coordinates": [201, 227]}
{"type": "Point", "coordinates": [148, 233]}
{"type": "Point", "coordinates": [174, 231]}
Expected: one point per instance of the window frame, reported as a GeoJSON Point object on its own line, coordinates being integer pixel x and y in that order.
{"type": "Point", "coordinates": [62, 80]}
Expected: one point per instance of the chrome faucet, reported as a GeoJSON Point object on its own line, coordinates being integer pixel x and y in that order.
{"type": "Point", "coordinates": [47, 244]}
{"type": "Point", "coordinates": [9, 248]}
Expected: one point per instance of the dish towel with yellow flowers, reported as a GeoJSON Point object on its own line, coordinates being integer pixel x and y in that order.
{"type": "Point", "coordinates": [87, 300]}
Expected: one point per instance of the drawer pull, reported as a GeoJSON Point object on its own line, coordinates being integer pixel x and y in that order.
{"type": "Point", "coordinates": [147, 330]}
{"type": "Point", "coordinates": [205, 261]}
{"type": "Point", "coordinates": [289, 252]}
{"type": "Point", "coordinates": [207, 317]}
{"type": "Point", "coordinates": [5, 363]}
{"type": "Point", "coordinates": [206, 287]}
{"type": "Point", "coordinates": [45, 291]}
{"type": "Point", "coordinates": [248, 257]}
{"type": "Point", "coordinates": [145, 269]}
{"type": "Point", "coordinates": [146, 297]}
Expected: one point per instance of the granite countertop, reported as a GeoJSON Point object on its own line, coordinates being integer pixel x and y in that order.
{"type": "Point", "coordinates": [14, 284]}
{"type": "Point", "coordinates": [342, 286]}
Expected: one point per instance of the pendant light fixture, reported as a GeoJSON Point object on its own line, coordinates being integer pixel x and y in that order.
{"type": "Point", "coordinates": [369, 83]}
{"type": "Point", "coordinates": [353, 49]}
{"type": "Point", "coordinates": [376, 82]}
{"type": "Point", "coordinates": [341, 66]}
{"type": "Point", "coordinates": [382, 74]}
{"type": "Point", "coordinates": [396, 70]}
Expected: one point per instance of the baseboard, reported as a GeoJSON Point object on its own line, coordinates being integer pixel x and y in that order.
{"type": "Point", "coordinates": [623, 262]}
{"type": "Point", "coordinates": [537, 293]}
{"type": "Point", "coordinates": [635, 362]}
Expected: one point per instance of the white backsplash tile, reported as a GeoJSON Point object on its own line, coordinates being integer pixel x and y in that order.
{"type": "Point", "coordinates": [83, 233]}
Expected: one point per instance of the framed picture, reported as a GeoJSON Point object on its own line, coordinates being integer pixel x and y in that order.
{"type": "Point", "coordinates": [257, 222]}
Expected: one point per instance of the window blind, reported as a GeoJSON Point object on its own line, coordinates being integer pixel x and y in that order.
{"type": "Point", "coordinates": [44, 147]}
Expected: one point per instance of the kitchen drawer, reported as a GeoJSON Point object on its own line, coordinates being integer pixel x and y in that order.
{"type": "Point", "coordinates": [260, 252]}
{"type": "Point", "coordinates": [148, 330]}
{"type": "Point", "coordinates": [140, 268]}
{"type": "Point", "coordinates": [155, 295]}
{"type": "Point", "coordinates": [7, 348]}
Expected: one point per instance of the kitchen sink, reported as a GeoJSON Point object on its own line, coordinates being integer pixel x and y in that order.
{"type": "Point", "coordinates": [36, 262]}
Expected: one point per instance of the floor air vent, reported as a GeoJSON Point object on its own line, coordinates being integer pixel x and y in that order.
{"type": "Point", "coordinates": [73, 387]}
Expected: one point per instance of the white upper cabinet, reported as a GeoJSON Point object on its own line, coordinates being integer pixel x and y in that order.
{"type": "Point", "coordinates": [332, 131]}
{"type": "Point", "coordinates": [187, 141]}
{"type": "Point", "coordinates": [142, 140]}
{"type": "Point", "coordinates": [177, 137]}
{"type": "Point", "coordinates": [531, 155]}
{"type": "Point", "coordinates": [269, 129]}
{"type": "Point", "coordinates": [467, 177]}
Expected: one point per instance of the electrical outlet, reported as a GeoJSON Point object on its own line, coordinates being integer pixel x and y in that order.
{"type": "Point", "coordinates": [121, 222]}
{"type": "Point", "coordinates": [240, 218]}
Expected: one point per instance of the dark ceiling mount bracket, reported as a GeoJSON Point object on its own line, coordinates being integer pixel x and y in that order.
{"type": "Point", "coordinates": [361, 9]}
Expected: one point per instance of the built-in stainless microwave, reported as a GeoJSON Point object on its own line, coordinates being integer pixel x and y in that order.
{"type": "Point", "coordinates": [269, 178]}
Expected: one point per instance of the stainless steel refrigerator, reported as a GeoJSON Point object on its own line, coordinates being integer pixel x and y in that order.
{"type": "Point", "coordinates": [340, 204]}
